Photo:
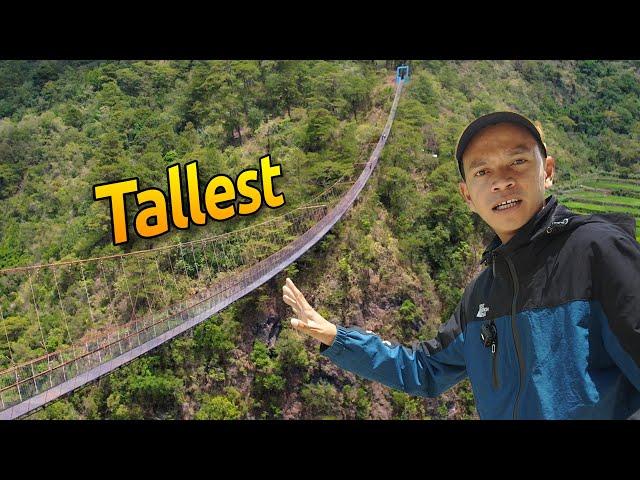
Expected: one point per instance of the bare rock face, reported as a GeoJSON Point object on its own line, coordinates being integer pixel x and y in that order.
{"type": "Point", "coordinates": [268, 330]}
{"type": "Point", "coordinates": [380, 406]}
{"type": "Point", "coordinates": [187, 410]}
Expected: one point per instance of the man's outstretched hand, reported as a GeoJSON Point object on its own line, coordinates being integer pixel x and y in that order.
{"type": "Point", "coordinates": [307, 319]}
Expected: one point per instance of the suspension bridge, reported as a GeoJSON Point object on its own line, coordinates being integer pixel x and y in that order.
{"type": "Point", "coordinates": [94, 315]}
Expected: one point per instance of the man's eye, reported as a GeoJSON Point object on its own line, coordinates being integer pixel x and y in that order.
{"type": "Point", "coordinates": [481, 173]}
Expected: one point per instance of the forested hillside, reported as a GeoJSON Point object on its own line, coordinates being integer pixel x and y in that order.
{"type": "Point", "coordinates": [397, 264]}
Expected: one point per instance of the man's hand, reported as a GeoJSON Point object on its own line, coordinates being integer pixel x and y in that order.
{"type": "Point", "coordinates": [308, 320]}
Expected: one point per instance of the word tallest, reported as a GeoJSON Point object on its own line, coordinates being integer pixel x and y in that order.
{"type": "Point", "coordinates": [220, 191]}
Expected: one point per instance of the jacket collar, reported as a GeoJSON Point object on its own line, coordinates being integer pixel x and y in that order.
{"type": "Point", "coordinates": [552, 219]}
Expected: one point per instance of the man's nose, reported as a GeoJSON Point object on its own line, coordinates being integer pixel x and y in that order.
{"type": "Point", "coordinates": [502, 184]}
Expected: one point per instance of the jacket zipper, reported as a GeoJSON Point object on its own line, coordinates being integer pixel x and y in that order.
{"type": "Point", "coordinates": [516, 334]}
{"type": "Point", "coordinates": [494, 354]}
{"type": "Point", "coordinates": [494, 347]}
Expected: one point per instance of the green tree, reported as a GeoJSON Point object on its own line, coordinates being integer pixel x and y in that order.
{"type": "Point", "coordinates": [216, 337]}
{"type": "Point", "coordinates": [356, 90]}
{"type": "Point", "coordinates": [321, 126]}
{"type": "Point", "coordinates": [321, 400]}
{"type": "Point", "coordinates": [218, 408]}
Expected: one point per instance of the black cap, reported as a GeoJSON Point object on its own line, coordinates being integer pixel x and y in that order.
{"type": "Point", "coordinates": [491, 119]}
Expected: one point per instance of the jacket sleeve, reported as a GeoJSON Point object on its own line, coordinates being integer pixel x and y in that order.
{"type": "Point", "coordinates": [426, 369]}
{"type": "Point", "coordinates": [616, 287]}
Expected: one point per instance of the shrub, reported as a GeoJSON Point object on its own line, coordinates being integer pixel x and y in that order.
{"type": "Point", "coordinates": [291, 351]}
{"type": "Point", "coordinates": [406, 407]}
{"type": "Point", "coordinates": [320, 399]}
{"type": "Point", "coordinates": [218, 407]}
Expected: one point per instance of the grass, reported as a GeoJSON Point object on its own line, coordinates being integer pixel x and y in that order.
{"type": "Point", "coordinates": [609, 185]}
{"type": "Point", "coordinates": [617, 179]}
{"type": "Point", "coordinates": [594, 208]}
{"type": "Point", "coordinates": [603, 198]}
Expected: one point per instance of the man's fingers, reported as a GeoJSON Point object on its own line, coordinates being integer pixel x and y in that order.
{"type": "Point", "coordinates": [287, 291]}
{"type": "Point", "coordinates": [293, 288]}
{"type": "Point", "coordinates": [290, 293]}
{"type": "Point", "coordinates": [298, 295]}
{"type": "Point", "coordinates": [293, 304]}
{"type": "Point", "coordinates": [290, 301]}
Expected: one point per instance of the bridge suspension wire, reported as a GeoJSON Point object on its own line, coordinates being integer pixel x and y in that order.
{"type": "Point", "coordinates": [124, 276]}
{"type": "Point", "coordinates": [118, 328]}
{"type": "Point", "coordinates": [216, 237]}
{"type": "Point", "coordinates": [62, 312]}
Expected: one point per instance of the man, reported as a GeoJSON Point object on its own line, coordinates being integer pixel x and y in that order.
{"type": "Point", "coordinates": [551, 329]}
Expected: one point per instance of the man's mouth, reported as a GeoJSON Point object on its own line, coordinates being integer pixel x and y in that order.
{"type": "Point", "coordinates": [507, 205]}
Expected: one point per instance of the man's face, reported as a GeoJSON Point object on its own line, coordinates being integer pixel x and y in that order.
{"type": "Point", "coordinates": [503, 162]}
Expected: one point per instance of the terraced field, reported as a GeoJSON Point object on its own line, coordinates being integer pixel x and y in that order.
{"type": "Point", "coordinates": [610, 185]}
{"type": "Point", "coordinates": [602, 194]}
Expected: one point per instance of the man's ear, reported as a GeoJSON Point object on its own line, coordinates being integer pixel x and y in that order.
{"type": "Point", "coordinates": [549, 171]}
{"type": "Point", "coordinates": [464, 192]}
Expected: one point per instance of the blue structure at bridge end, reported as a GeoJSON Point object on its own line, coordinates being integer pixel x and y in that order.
{"type": "Point", "coordinates": [402, 73]}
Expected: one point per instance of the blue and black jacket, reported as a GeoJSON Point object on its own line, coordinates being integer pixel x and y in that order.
{"type": "Point", "coordinates": [550, 329]}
